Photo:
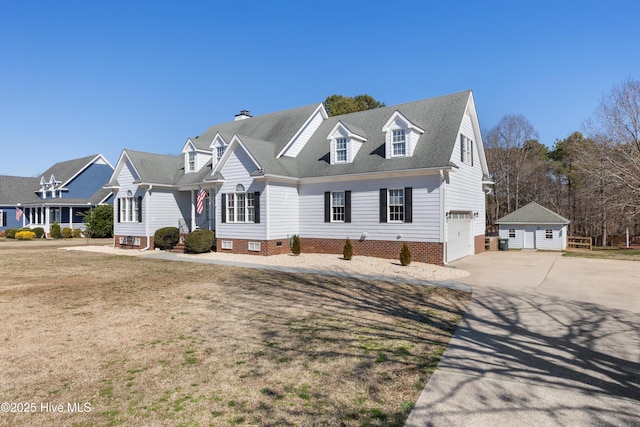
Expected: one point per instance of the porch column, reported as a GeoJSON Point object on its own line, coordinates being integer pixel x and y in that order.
{"type": "Point", "coordinates": [71, 217]}
{"type": "Point", "coordinates": [193, 210]}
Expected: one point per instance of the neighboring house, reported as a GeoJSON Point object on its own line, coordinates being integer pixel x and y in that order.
{"type": "Point", "coordinates": [413, 173]}
{"type": "Point", "coordinates": [60, 194]}
{"type": "Point", "coordinates": [534, 227]}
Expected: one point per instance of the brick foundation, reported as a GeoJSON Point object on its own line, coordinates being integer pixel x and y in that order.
{"type": "Point", "coordinates": [143, 242]}
{"type": "Point", "coordinates": [267, 247]}
{"type": "Point", "coordinates": [429, 252]}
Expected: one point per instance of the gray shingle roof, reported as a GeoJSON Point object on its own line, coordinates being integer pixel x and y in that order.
{"type": "Point", "coordinates": [18, 189]}
{"type": "Point", "coordinates": [267, 135]}
{"type": "Point", "coordinates": [532, 213]}
{"type": "Point", "coordinates": [64, 171]}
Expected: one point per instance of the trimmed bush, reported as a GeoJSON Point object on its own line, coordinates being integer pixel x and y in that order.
{"type": "Point", "coordinates": [166, 238]}
{"type": "Point", "coordinates": [39, 232]}
{"type": "Point", "coordinates": [347, 252]}
{"type": "Point", "coordinates": [99, 221]}
{"type": "Point", "coordinates": [199, 241]}
{"type": "Point", "coordinates": [76, 233]}
{"type": "Point", "coordinates": [25, 235]}
{"type": "Point", "coordinates": [56, 233]}
{"type": "Point", "coordinates": [405, 255]}
{"type": "Point", "coordinates": [295, 246]}
{"type": "Point", "coordinates": [10, 233]}
{"type": "Point", "coordinates": [67, 233]}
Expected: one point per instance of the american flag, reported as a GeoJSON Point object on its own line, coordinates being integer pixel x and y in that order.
{"type": "Point", "coordinates": [19, 213]}
{"type": "Point", "coordinates": [202, 194]}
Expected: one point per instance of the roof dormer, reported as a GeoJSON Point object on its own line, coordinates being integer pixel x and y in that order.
{"type": "Point", "coordinates": [194, 158]}
{"type": "Point", "coordinates": [401, 136]}
{"type": "Point", "coordinates": [218, 146]}
{"type": "Point", "coordinates": [344, 141]}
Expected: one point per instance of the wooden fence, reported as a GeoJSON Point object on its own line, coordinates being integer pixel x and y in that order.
{"type": "Point", "coordinates": [574, 242]}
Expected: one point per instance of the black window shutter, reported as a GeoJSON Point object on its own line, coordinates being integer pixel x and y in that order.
{"type": "Point", "coordinates": [408, 204]}
{"type": "Point", "coordinates": [383, 205]}
{"type": "Point", "coordinates": [327, 206]}
{"type": "Point", "coordinates": [256, 207]}
{"type": "Point", "coordinates": [4, 219]}
{"type": "Point", "coordinates": [119, 206]}
{"type": "Point", "coordinates": [461, 148]}
{"type": "Point", "coordinates": [223, 208]}
{"type": "Point", "coordinates": [471, 154]}
{"type": "Point", "coordinates": [139, 208]}
{"type": "Point", "coordinates": [347, 206]}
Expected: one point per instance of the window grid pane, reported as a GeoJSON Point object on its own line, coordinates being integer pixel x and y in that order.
{"type": "Point", "coordinates": [240, 207]}
{"type": "Point", "coordinates": [396, 205]}
{"type": "Point", "coordinates": [398, 142]}
{"type": "Point", "coordinates": [231, 203]}
{"type": "Point", "coordinates": [341, 150]}
{"type": "Point", "coordinates": [251, 207]}
{"type": "Point", "coordinates": [337, 206]}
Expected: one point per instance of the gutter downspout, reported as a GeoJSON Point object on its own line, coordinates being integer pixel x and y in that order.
{"type": "Point", "coordinates": [146, 214]}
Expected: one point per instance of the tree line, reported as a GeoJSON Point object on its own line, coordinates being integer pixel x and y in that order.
{"type": "Point", "coordinates": [590, 178]}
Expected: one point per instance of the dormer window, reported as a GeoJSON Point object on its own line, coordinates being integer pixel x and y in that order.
{"type": "Point", "coordinates": [192, 162]}
{"type": "Point", "coordinates": [399, 143]}
{"type": "Point", "coordinates": [401, 136]}
{"type": "Point", "coordinates": [345, 141]}
{"type": "Point", "coordinates": [219, 152]}
{"type": "Point", "coordinates": [341, 150]}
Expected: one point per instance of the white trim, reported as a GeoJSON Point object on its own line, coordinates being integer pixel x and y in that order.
{"type": "Point", "coordinates": [293, 139]}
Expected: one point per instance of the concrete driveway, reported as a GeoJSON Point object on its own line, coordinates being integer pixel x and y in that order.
{"type": "Point", "coordinates": [547, 341]}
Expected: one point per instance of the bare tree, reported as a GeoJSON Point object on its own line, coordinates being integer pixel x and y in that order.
{"type": "Point", "coordinates": [507, 152]}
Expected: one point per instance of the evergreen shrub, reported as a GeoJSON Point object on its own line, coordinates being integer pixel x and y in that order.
{"type": "Point", "coordinates": [76, 233]}
{"type": "Point", "coordinates": [199, 241]}
{"type": "Point", "coordinates": [166, 238]}
{"type": "Point", "coordinates": [347, 251]}
{"type": "Point", "coordinates": [295, 245]}
{"type": "Point", "coordinates": [67, 233]}
{"type": "Point", "coordinates": [39, 232]}
{"type": "Point", "coordinates": [56, 233]}
{"type": "Point", "coordinates": [10, 233]}
{"type": "Point", "coordinates": [405, 255]}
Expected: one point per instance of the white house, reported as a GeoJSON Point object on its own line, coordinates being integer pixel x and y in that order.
{"type": "Point", "coordinates": [534, 227]}
{"type": "Point", "coordinates": [413, 173]}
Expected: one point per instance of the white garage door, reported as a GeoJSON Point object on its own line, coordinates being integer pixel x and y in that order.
{"type": "Point", "coordinates": [459, 243]}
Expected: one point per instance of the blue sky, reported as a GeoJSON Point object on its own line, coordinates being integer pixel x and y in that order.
{"type": "Point", "coordinates": [84, 77]}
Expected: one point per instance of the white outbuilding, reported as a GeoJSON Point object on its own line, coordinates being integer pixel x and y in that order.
{"type": "Point", "coordinates": [534, 227]}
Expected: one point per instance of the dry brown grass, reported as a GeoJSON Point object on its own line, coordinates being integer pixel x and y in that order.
{"type": "Point", "coordinates": [150, 342]}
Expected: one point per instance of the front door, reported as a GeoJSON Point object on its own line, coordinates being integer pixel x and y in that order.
{"type": "Point", "coordinates": [529, 238]}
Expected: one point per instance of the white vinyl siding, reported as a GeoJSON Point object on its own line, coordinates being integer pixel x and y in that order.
{"type": "Point", "coordinates": [236, 171]}
{"type": "Point", "coordinates": [365, 213]}
{"type": "Point", "coordinates": [463, 188]}
{"type": "Point", "coordinates": [282, 211]}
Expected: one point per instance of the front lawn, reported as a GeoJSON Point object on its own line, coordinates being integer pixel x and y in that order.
{"type": "Point", "coordinates": [148, 342]}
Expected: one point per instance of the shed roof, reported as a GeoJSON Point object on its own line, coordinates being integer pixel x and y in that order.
{"type": "Point", "coordinates": [533, 213]}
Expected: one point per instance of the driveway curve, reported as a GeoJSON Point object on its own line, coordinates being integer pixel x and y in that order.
{"type": "Point", "coordinates": [547, 341]}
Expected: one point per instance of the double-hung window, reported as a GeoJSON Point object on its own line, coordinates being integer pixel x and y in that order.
{"type": "Point", "coordinates": [548, 233]}
{"type": "Point", "coordinates": [219, 152]}
{"type": "Point", "coordinates": [192, 161]}
{"type": "Point", "coordinates": [241, 207]}
{"type": "Point", "coordinates": [129, 208]}
{"type": "Point", "coordinates": [398, 143]}
{"type": "Point", "coordinates": [341, 150]}
{"type": "Point", "coordinates": [337, 206]}
{"type": "Point", "coordinates": [466, 150]}
{"type": "Point", "coordinates": [396, 205]}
